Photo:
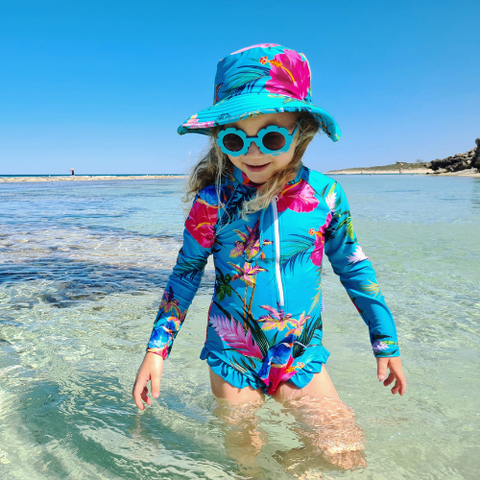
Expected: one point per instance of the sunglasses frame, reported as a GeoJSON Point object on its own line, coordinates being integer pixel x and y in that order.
{"type": "Point", "coordinates": [247, 141]}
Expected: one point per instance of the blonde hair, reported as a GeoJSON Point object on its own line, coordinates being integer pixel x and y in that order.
{"type": "Point", "coordinates": [215, 165]}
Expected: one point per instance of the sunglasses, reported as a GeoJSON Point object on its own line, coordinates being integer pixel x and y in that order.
{"type": "Point", "coordinates": [271, 140]}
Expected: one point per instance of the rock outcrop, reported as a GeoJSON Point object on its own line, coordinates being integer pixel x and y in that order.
{"type": "Point", "coordinates": [476, 164]}
{"type": "Point", "coordinates": [457, 162]}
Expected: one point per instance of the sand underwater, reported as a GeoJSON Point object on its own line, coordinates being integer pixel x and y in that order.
{"type": "Point", "coordinates": [82, 271]}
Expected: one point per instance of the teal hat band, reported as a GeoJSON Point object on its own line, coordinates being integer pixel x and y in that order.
{"type": "Point", "coordinates": [265, 78]}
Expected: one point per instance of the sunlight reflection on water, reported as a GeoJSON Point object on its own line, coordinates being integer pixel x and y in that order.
{"type": "Point", "coordinates": [81, 274]}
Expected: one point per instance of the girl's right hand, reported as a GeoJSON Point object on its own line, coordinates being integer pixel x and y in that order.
{"type": "Point", "coordinates": [150, 369]}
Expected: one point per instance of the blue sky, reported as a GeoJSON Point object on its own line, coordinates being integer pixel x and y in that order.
{"type": "Point", "coordinates": [101, 86]}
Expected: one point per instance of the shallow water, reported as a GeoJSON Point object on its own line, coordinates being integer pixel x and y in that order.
{"type": "Point", "coordinates": [82, 268]}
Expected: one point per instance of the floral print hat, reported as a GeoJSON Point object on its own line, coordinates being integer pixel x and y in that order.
{"type": "Point", "coordinates": [265, 78]}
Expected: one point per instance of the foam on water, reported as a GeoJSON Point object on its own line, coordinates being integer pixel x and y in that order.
{"type": "Point", "coordinates": [82, 268]}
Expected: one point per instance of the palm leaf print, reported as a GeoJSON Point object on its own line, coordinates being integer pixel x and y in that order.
{"type": "Point", "coordinates": [244, 78]}
{"type": "Point", "coordinates": [249, 324]}
{"type": "Point", "coordinates": [237, 366]}
{"type": "Point", "coordinates": [318, 295]}
{"type": "Point", "coordinates": [223, 286]}
{"type": "Point", "coordinates": [371, 288]}
{"type": "Point", "coordinates": [332, 190]}
{"type": "Point", "coordinates": [349, 226]}
{"type": "Point", "coordinates": [296, 252]}
{"type": "Point", "coordinates": [258, 334]}
{"type": "Point", "coordinates": [234, 204]}
{"type": "Point", "coordinates": [255, 113]}
{"type": "Point", "coordinates": [244, 81]}
{"type": "Point", "coordinates": [285, 99]}
{"type": "Point", "coordinates": [189, 269]}
{"type": "Point", "coordinates": [306, 337]}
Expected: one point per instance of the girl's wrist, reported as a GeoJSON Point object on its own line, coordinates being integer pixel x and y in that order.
{"type": "Point", "coordinates": [158, 353]}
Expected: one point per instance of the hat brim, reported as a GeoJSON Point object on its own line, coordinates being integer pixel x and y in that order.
{"type": "Point", "coordinates": [244, 106]}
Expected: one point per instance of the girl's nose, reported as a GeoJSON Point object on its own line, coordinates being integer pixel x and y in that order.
{"type": "Point", "coordinates": [253, 149]}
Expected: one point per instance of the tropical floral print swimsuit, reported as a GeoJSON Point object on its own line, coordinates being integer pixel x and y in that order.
{"type": "Point", "coordinates": [264, 322]}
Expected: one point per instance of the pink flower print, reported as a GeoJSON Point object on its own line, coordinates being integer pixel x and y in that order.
{"type": "Point", "coordinates": [357, 256]}
{"type": "Point", "coordinates": [235, 336]}
{"type": "Point", "coordinates": [299, 197]}
{"type": "Point", "coordinates": [290, 75]}
{"type": "Point", "coordinates": [317, 254]}
{"type": "Point", "coordinates": [163, 351]}
{"type": "Point", "coordinates": [204, 124]}
{"type": "Point", "coordinates": [260, 45]}
{"type": "Point", "coordinates": [193, 122]}
{"type": "Point", "coordinates": [200, 223]}
{"type": "Point", "coordinates": [275, 319]}
{"type": "Point", "coordinates": [247, 273]}
{"type": "Point", "coordinates": [279, 373]}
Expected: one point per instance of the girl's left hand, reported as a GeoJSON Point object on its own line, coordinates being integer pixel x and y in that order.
{"type": "Point", "coordinates": [396, 373]}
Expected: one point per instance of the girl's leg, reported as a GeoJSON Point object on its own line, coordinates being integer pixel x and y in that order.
{"type": "Point", "coordinates": [324, 422]}
{"type": "Point", "coordinates": [237, 408]}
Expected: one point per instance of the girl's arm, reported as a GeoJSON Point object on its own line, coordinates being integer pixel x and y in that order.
{"type": "Point", "coordinates": [183, 283]}
{"type": "Point", "coordinates": [358, 277]}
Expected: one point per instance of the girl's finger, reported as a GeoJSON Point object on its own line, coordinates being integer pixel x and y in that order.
{"type": "Point", "coordinates": [396, 387]}
{"type": "Point", "coordinates": [382, 368]}
{"type": "Point", "coordinates": [136, 393]}
{"type": "Point", "coordinates": [145, 398]}
{"type": "Point", "coordinates": [390, 379]}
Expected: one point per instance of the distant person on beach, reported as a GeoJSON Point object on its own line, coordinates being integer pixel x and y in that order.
{"type": "Point", "coordinates": [73, 171]}
{"type": "Point", "coordinates": [268, 220]}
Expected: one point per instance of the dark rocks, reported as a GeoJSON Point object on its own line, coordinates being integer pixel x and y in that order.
{"type": "Point", "coordinates": [457, 162]}
{"type": "Point", "coordinates": [476, 163]}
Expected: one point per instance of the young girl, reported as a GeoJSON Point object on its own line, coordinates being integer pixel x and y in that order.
{"type": "Point", "coordinates": [267, 220]}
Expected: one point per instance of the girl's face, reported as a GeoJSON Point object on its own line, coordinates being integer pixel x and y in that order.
{"type": "Point", "coordinates": [257, 166]}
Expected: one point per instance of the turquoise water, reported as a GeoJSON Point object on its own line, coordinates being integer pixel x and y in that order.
{"type": "Point", "coordinates": [82, 268]}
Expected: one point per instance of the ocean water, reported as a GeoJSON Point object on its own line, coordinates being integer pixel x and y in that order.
{"type": "Point", "coordinates": [82, 271]}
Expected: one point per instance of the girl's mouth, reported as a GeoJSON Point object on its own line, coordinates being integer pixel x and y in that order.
{"type": "Point", "coordinates": [257, 168]}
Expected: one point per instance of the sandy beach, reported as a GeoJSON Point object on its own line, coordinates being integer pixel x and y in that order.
{"type": "Point", "coordinates": [84, 178]}
{"type": "Point", "coordinates": [472, 172]}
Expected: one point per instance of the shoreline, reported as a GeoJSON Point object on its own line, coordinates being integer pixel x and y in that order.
{"type": "Point", "coordinates": [418, 171]}
{"type": "Point", "coordinates": [472, 173]}
{"type": "Point", "coordinates": [85, 178]}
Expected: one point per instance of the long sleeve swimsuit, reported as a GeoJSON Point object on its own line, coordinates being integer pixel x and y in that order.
{"type": "Point", "coordinates": [264, 322]}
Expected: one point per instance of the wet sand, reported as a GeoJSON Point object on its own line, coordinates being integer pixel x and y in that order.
{"type": "Point", "coordinates": [85, 178]}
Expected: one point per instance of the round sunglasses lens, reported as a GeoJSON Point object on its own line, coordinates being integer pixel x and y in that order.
{"type": "Point", "coordinates": [233, 142]}
{"type": "Point", "coordinates": [273, 141]}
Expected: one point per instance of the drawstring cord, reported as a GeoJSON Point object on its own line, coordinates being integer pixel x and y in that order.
{"type": "Point", "coordinates": [261, 230]}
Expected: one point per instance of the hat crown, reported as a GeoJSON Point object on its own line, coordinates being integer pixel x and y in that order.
{"type": "Point", "coordinates": [266, 68]}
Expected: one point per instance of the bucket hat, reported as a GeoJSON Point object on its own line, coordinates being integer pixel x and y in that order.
{"type": "Point", "coordinates": [265, 78]}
